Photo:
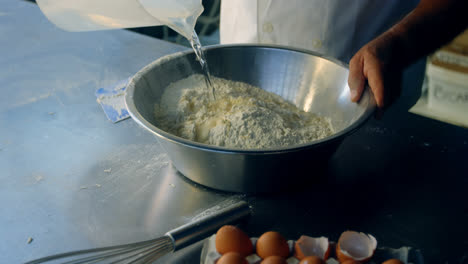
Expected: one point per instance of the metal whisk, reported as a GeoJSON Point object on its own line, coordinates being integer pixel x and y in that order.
{"type": "Point", "coordinates": [150, 250]}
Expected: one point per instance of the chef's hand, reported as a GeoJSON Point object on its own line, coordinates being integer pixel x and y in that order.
{"type": "Point", "coordinates": [373, 65]}
{"type": "Point", "coordinates": [380, 62]}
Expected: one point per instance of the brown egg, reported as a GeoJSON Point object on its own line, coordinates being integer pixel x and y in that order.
{"type": "Point", "coordinates": [232, 239]}
{"type": "Point", "coordinates": [393, 261]}
{"type": "Point", "coordinates": [351, 261]}
{"type": "Point", "coordinates": [312, 260]}
{"type": "Point", "coordinates": [232, 258]}
{"type": "Point", "coordinates": [274, 260]}
{"type": "Point", "coordinates": [272, 244]}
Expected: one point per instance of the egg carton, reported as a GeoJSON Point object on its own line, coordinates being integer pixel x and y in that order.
{"type": "Point", "coordinates": [408, 255]}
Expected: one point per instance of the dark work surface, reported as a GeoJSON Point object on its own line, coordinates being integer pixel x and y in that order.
{"type": "Point", "coordinates": [403, 178]}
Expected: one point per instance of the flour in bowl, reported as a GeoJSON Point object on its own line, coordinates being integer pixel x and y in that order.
{"type": "Point", "coordinates": [242, 116]}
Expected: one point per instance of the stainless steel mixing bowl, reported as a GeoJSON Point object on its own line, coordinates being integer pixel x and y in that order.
{"type": "Point", "coordinates": [310, 81]}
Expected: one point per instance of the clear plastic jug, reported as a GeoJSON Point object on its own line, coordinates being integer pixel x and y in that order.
{"type": "Point", "coordinates": [88, 15]}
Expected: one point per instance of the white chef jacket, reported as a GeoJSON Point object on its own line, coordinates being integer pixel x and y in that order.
{"type": "Point", "coordinates": [335, 28]}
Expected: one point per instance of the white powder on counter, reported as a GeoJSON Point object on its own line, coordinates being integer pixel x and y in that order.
{"type": "Point", "coordinates": [242, 116]}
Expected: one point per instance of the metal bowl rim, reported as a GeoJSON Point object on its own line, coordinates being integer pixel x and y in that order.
{"type": "Point", "coordinates": [192, 144]}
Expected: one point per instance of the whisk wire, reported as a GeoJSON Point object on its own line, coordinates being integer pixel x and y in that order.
{"type": "Point", "coordinates": [153, 255]}
{"type": "Point", "coordinates": [109, 252]}
{"type": "Point", "coordinates": [119, 251]}
{"type": "Point", "coordinates": [159, 249]}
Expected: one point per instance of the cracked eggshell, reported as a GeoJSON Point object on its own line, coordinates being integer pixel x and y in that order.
{"type": "Point", "coordinates": [355, 246]}
{"type": "Point", "coordinates": [312, 246]}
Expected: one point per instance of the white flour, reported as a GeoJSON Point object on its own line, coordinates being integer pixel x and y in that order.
{"type": "Point", "coordinates": [242, 116]}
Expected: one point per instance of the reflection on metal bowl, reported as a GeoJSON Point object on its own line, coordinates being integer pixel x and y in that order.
{"type": "Point", "coordinates": [310, 81]}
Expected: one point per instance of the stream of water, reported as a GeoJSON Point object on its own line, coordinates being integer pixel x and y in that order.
{"type": "Point", "coordinates": [184, 26]}
{"type": "Point", "coordinates": [199, 52]}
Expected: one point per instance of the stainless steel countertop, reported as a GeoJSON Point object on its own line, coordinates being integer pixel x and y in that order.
{"type": "Point", "coordinates": [71, 179]}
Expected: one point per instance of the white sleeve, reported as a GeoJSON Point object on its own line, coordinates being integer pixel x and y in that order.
{"type": "Point", "coordinates": [238, 21]}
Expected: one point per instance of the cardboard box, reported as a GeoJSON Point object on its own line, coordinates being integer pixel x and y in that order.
{"type": "Point", "coordinates": [447, 73]}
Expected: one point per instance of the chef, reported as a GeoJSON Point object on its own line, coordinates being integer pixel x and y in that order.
{"type": "Point", "coordinates": [377, 37]}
